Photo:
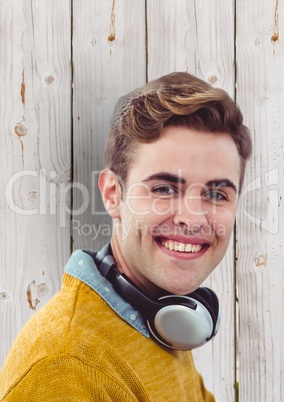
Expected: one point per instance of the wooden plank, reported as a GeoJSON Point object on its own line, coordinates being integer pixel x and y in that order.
{"type": "Point", "coordinates": [109, 61]}
{"type": "Point", "coordinates": [260, 90]}
{"type": "Point", "coordinates": [198, 37]}
{"type": "Point", "coordinates": [35, 119]}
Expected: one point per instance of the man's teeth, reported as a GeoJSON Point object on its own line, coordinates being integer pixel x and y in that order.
{"type": "Point", "coordinates": [182, 247]}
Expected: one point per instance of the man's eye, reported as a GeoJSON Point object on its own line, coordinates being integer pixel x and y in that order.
{"type": "Point", "coordinates": [164, 190]}
{"type": "Point", "coordinates": [216, 195]}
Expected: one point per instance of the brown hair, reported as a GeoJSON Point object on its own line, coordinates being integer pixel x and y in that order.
{"type": "Point", "coordinates": [174, 99]}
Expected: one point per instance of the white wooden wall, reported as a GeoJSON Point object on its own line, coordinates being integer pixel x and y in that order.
{"type": "Point", "coordinates": [63, 64]}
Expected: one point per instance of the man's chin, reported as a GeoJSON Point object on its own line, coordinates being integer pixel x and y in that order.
{"type": "Point", "coordinates": [183, 290]}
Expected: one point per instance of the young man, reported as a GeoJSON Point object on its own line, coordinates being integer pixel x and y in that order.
{"type": "Point", "coordinates": [122, 325]}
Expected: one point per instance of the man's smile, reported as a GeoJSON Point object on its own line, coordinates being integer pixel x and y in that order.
{"type": "Point", "coordinates": [182, 247]}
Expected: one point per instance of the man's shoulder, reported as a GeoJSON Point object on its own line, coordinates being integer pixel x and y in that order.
{"type": "Point", "coordinates": [54, 330]}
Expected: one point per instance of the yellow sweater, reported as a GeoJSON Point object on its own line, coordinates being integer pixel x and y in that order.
{"type": "Point", "coordinates": [77, 349]}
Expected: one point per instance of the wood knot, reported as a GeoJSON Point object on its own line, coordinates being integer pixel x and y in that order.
{"type": "Point", "coordinates": [49, 80]}
{"type": "Point", "coordinates": [33, 196]}
{"type": "Point", "coordinates": [261, 260]}
{"type": "Point", "coordinates": [111, 37]}
{"type": "Point", "coordinates": [212, 79]}
{"type": "Point", "coordinates": [35, 292]}
{"type": "Point", "coordinates": [275, 38]}
{"type": "Point", "coordinates": [4, 296]}
{"type": "Point", "coordinates": [20, 130]}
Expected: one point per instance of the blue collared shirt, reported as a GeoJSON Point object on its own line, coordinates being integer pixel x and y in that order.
{"type": "Point", "coordinates": [82, 266]}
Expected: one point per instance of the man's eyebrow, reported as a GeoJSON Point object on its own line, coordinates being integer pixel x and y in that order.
{"type": "Point", "coordinates": [169, 177]}
{"type": "Point", "coordinates": [222, 183]}
{"type": "Point", "coordinates": [165, 176]}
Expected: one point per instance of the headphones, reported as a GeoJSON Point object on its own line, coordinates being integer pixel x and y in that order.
{"type": "Point", "coordinates": [176, 322]}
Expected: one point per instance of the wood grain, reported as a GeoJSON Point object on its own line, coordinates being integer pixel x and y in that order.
{"type": "Point", "coordinates": [35, 161]}
{"type": "Point", "coordinates": [109, 61]}
{"type": "Point", "coordinates": [260, 90]}
{"type": "Point", "coordinates": [63, 66]}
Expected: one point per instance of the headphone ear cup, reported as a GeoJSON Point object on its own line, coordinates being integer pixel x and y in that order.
{"type": "Point", "coordinates": [210, 300]}
{"type": "Point", "coordinates": [184, 322]}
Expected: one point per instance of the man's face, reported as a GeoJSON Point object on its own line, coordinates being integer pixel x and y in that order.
{"type": "Point", "coordinates": [177, 210]}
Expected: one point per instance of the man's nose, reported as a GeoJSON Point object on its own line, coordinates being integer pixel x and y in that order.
{"type": "Point", "coordinates": [191, 211]}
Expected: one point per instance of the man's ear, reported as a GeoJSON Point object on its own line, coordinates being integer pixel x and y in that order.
{"type": "Point", "coordinates": [111, 192]}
